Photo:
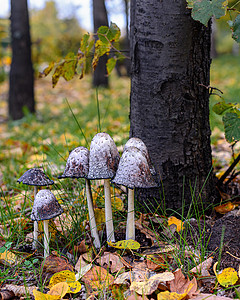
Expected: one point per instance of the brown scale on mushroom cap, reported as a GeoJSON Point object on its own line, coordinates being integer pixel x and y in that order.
{"type": "Point", "coordinates": [45, 206]}
{"type": "Point", "coordinates": [139, 144]}
{"type": "Point", "coordinates": [77, 164]}
{"type": "Point", "coordinates": [133, 170]}
{"type": "Point", "coordinates": [103, 158]}
{"type": "Point", "coordinates": [35, 177]}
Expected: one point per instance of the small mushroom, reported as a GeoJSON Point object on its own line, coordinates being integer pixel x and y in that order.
{"type": "Point", "coordinates": [139, 144]}
{"type": "Point", "coordinates": [35, 177]}
{"type": "Point", "coordinates": [103, 163]}
{"type": "Point", "coordinates": [45, 207]}
{"type": "Point", "coordinates": [133, 172]}
{"type": "Point", "coordinates": [77, 167]}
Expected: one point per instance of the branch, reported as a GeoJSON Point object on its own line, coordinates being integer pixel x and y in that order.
{"type": "Point", "coordinates": [228, 171]}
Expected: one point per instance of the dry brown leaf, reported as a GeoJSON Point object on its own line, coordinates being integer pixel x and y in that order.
{"type": "Point", "coordinates": [79, 249]}
{"type": "Point", "coordinates": [203, 267]}
{"type": "Point", "coordinates": [84, 260]}
{"type": "Point", "coordinates": [110, 261]}
{"type": "Point", "coordinates": [97, 278]}
{"type": "Point", "coordinates": [54, 264]}
{"type": "Point", "coordinates": [20, 290]}
{"type": "Point", "coordinates": [156, 261]}
{"type": "Point", "coordinates": [7, 295]}
{"type": "Point", "coordinates": [135, 296]}
{"type": "Point", "coordinates": [180, 284]}
{"type": "Point", "coordinates": [210, 297]}
{"type": "Point", "coordinates": [149, 286]}
{"type": "Point", "coordinates": [134, 275]}
{"type": "Point", "coordinates": [225, 208]}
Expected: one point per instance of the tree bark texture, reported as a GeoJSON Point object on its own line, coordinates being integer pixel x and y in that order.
{"type": "Point", "coordinates": [21, 89]}
{"type": "Point", "coordinates": [169, 106]}
{"type": "Point", "coordinates": [100, 18]}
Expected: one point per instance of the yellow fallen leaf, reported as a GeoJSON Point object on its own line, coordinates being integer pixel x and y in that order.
{"type": "Point", "coordinates": [66, 276]}
{"type": "Point", "coordinates": [225, 208]}
{"type": "Point", "coordinates": [60, 289]}
{"type": "Point", "coordinates": [170, 296]}
{"type": "Point", "coordinates": [226, 277]}
{"type": "Point", "coordinates": [41, 296]}
{"type": "Point", "coordinates": [125, 244]}
{"type": "Point", "coordinates": [8, 258]}
{"type": "Point", "coordinates": [177, 222]}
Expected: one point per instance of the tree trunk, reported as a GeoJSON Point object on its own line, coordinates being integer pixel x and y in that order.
{"type": "Point", "coordinates": [169, 105]}
{"type": "Point", "coordinates": [21, 89]}
{"type": "Point", "coordinates": [100, 18]}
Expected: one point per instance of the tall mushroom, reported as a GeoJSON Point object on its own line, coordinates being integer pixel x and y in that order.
{"type": "Point", "coordinates": [77, 166]}
{"type": "Point", "coordinates": [139, 144]}
{"type": "Point", "coordinates": [103, 163]}
{"type": "Point", "coordinates": [133, 172]}
{"type": "Point", "coordinates": [35, 177]}
{"type": "Point", "coordinates": [45, 207]}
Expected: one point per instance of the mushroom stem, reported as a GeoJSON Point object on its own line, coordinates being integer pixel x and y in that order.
{"type": "Point", "coordinates": [35, 226]}
{"type": "Point", "coordinates": [108, 211]}
{"type": "Point", "coordinates": [46, 238]}
{"type": "Point", "coordinates": [92, 220]}
{"type": "Point", "coordinates": [130, 230]}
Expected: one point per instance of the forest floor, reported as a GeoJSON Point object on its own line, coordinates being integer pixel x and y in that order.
{"type": "Point", "coordinates": [167, 247]}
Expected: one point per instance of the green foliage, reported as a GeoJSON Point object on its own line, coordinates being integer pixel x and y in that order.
{"type": "Point", "coordinates": [231, 119]}
{"type": "Point", "coordinates": [236, 29]}
{"type": "Point", "coordinates": [76, 64]}
{"type": "Point", "coordinates": [203, 10]}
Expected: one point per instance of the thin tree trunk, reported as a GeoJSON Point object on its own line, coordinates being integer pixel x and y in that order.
{"type": "Point", "coordinates": [169, 106]}
{"type": "Point", "coordinates": [21, 90]}
{"type": "Point", "coordinates": [100, 18]}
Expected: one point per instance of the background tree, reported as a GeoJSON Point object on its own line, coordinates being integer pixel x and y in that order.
{"type": "Point", "coordinates": [169, 106]}
{"type": "Point", "coordinates": [100, 18]}
{"type": "Point", "coordinates": [21, 80]}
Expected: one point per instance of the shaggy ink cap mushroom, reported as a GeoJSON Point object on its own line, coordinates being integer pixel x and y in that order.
{"type": "Point", "coordinates": [35, 177]}
{"type": "Point", "coordinates": [139, 144]}
{"type": "Point", "coordinates": [104, 157]}
{"type": "Point", "coordinates": [77, 164]}
{"type": "Point", "coordinates": [45, 206]}
{"type": "Point", "coordinates": [133, 170]}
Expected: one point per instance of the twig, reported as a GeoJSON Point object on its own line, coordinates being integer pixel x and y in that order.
{"type": "Point", "coordinates": [228, 171]}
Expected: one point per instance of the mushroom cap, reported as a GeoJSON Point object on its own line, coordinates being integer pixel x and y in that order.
{"type": "Point", "coordinates": [133, 170]}
{"type": "Point", "coordinates": [103, 158]}
{"type": "Point", "coordinates": [139, 144]}
{"type": "Point", "coordinates": [45, 206]}
{"type": "Point", "coordinates": [36, 177]}
{"type": "Point", "coordinates": [77, 164]}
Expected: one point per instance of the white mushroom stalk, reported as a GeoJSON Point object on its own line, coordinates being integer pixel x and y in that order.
{"type": "Point", "coordinates": [77, 167]}
{"type": "Point", "coordinates": [35, 227]}
{"type": "Point", "coordinates": [133, 172]}
{"type": "Point", "coordinates": [46, 238]}
{"type": "Point", "coordinates": [103, 163]}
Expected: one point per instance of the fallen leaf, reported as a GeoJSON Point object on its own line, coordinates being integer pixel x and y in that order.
{"type": "Point", "coordinates": [226, 277]}
{"type": "Point", "coordinates": [83, 261]}
{"type": "Point", "coordinates": [110, 261]}
{"type": "Point", "coordinates": [68, 277]}
{"type": "Point", "coordinates": [177, 222]}
{"type": "Point", "coordinates": [225, 208]}
{"type": "Point", "coordinates": [97, 278]}
{"type": "Point", "coordinates": [8, 258]}
{"type": "Point", "coordinates": [156, 261]}
{"type": "Point", "coordinates": [7, 295]}
{"type": "Point", "coordinates": [135, 296]}
{"type": "Point", "coordinates": [54, 264]}
{"type": "Point", "coordinates": [125, 244]}
{"type": "Point", "coordinates": [147, 287]}
{"type": "Point", "coordinates": [180, 284]}
{"type": "Point", "coordinates": [170, 296]}
{"type": "Point", "coordinates": [20, 290]}
{"type": "Point", "coordinates": [60, 289]}
{"type": "Point", "coordinates": [202, 268]}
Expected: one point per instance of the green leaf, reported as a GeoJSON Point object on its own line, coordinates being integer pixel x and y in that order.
{"type": "Point", "coordinates": [102, 33]}
{"type": "Point", "coordinates": [115, 32]}
{"type": "Point", "coordinates": [109, 34]}
{"type": "Point", "coordinates": [232, 126]}
{"type": "Point", "coordinates": [47, 70]}
{"type": "Point", "coordinates": [84, 42]}
{"type": "Point", "coordinates": [111, 64]}
{"type": "Point", "coordinates": [236, 29]}
{"type": "Point", "coordinates": [203, 10]}
{"type": "Point", "coordinates": [56, 75]}
{"type": "Point", "coordinates": [221, 107]}
{"type": "Point", "coordinates": [125, 244]}
{"type": "Point", "coordinates": [100, 49]}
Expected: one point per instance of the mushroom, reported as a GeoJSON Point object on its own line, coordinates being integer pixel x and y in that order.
{"type": "Point", "coordinates": [35, 177]}
{"type": "Point", "coordinates": [103, 163]}
{"type": "Point", "coordinates": [77, 167]}
{"type": "Point", "coordinates": [133, 172]}
{"type": "Point", "coordinates": [45, 207]}
{"type": "Point", "coordinates": [138, 143]}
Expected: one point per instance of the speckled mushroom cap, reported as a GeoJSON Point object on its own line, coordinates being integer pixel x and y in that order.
{"type": "Point", "coordinates": [35, 176]}
{"type": "Point", "coordinates": [77, 164]}
{"type": "Point", "coordinates": [133, 170]}
{"type": "Point", "coordinates": [45, 206]}
{"type": "Point", "coordinates": [103, 158]}
{"type": "Point", "coordinates": [139, 144]}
